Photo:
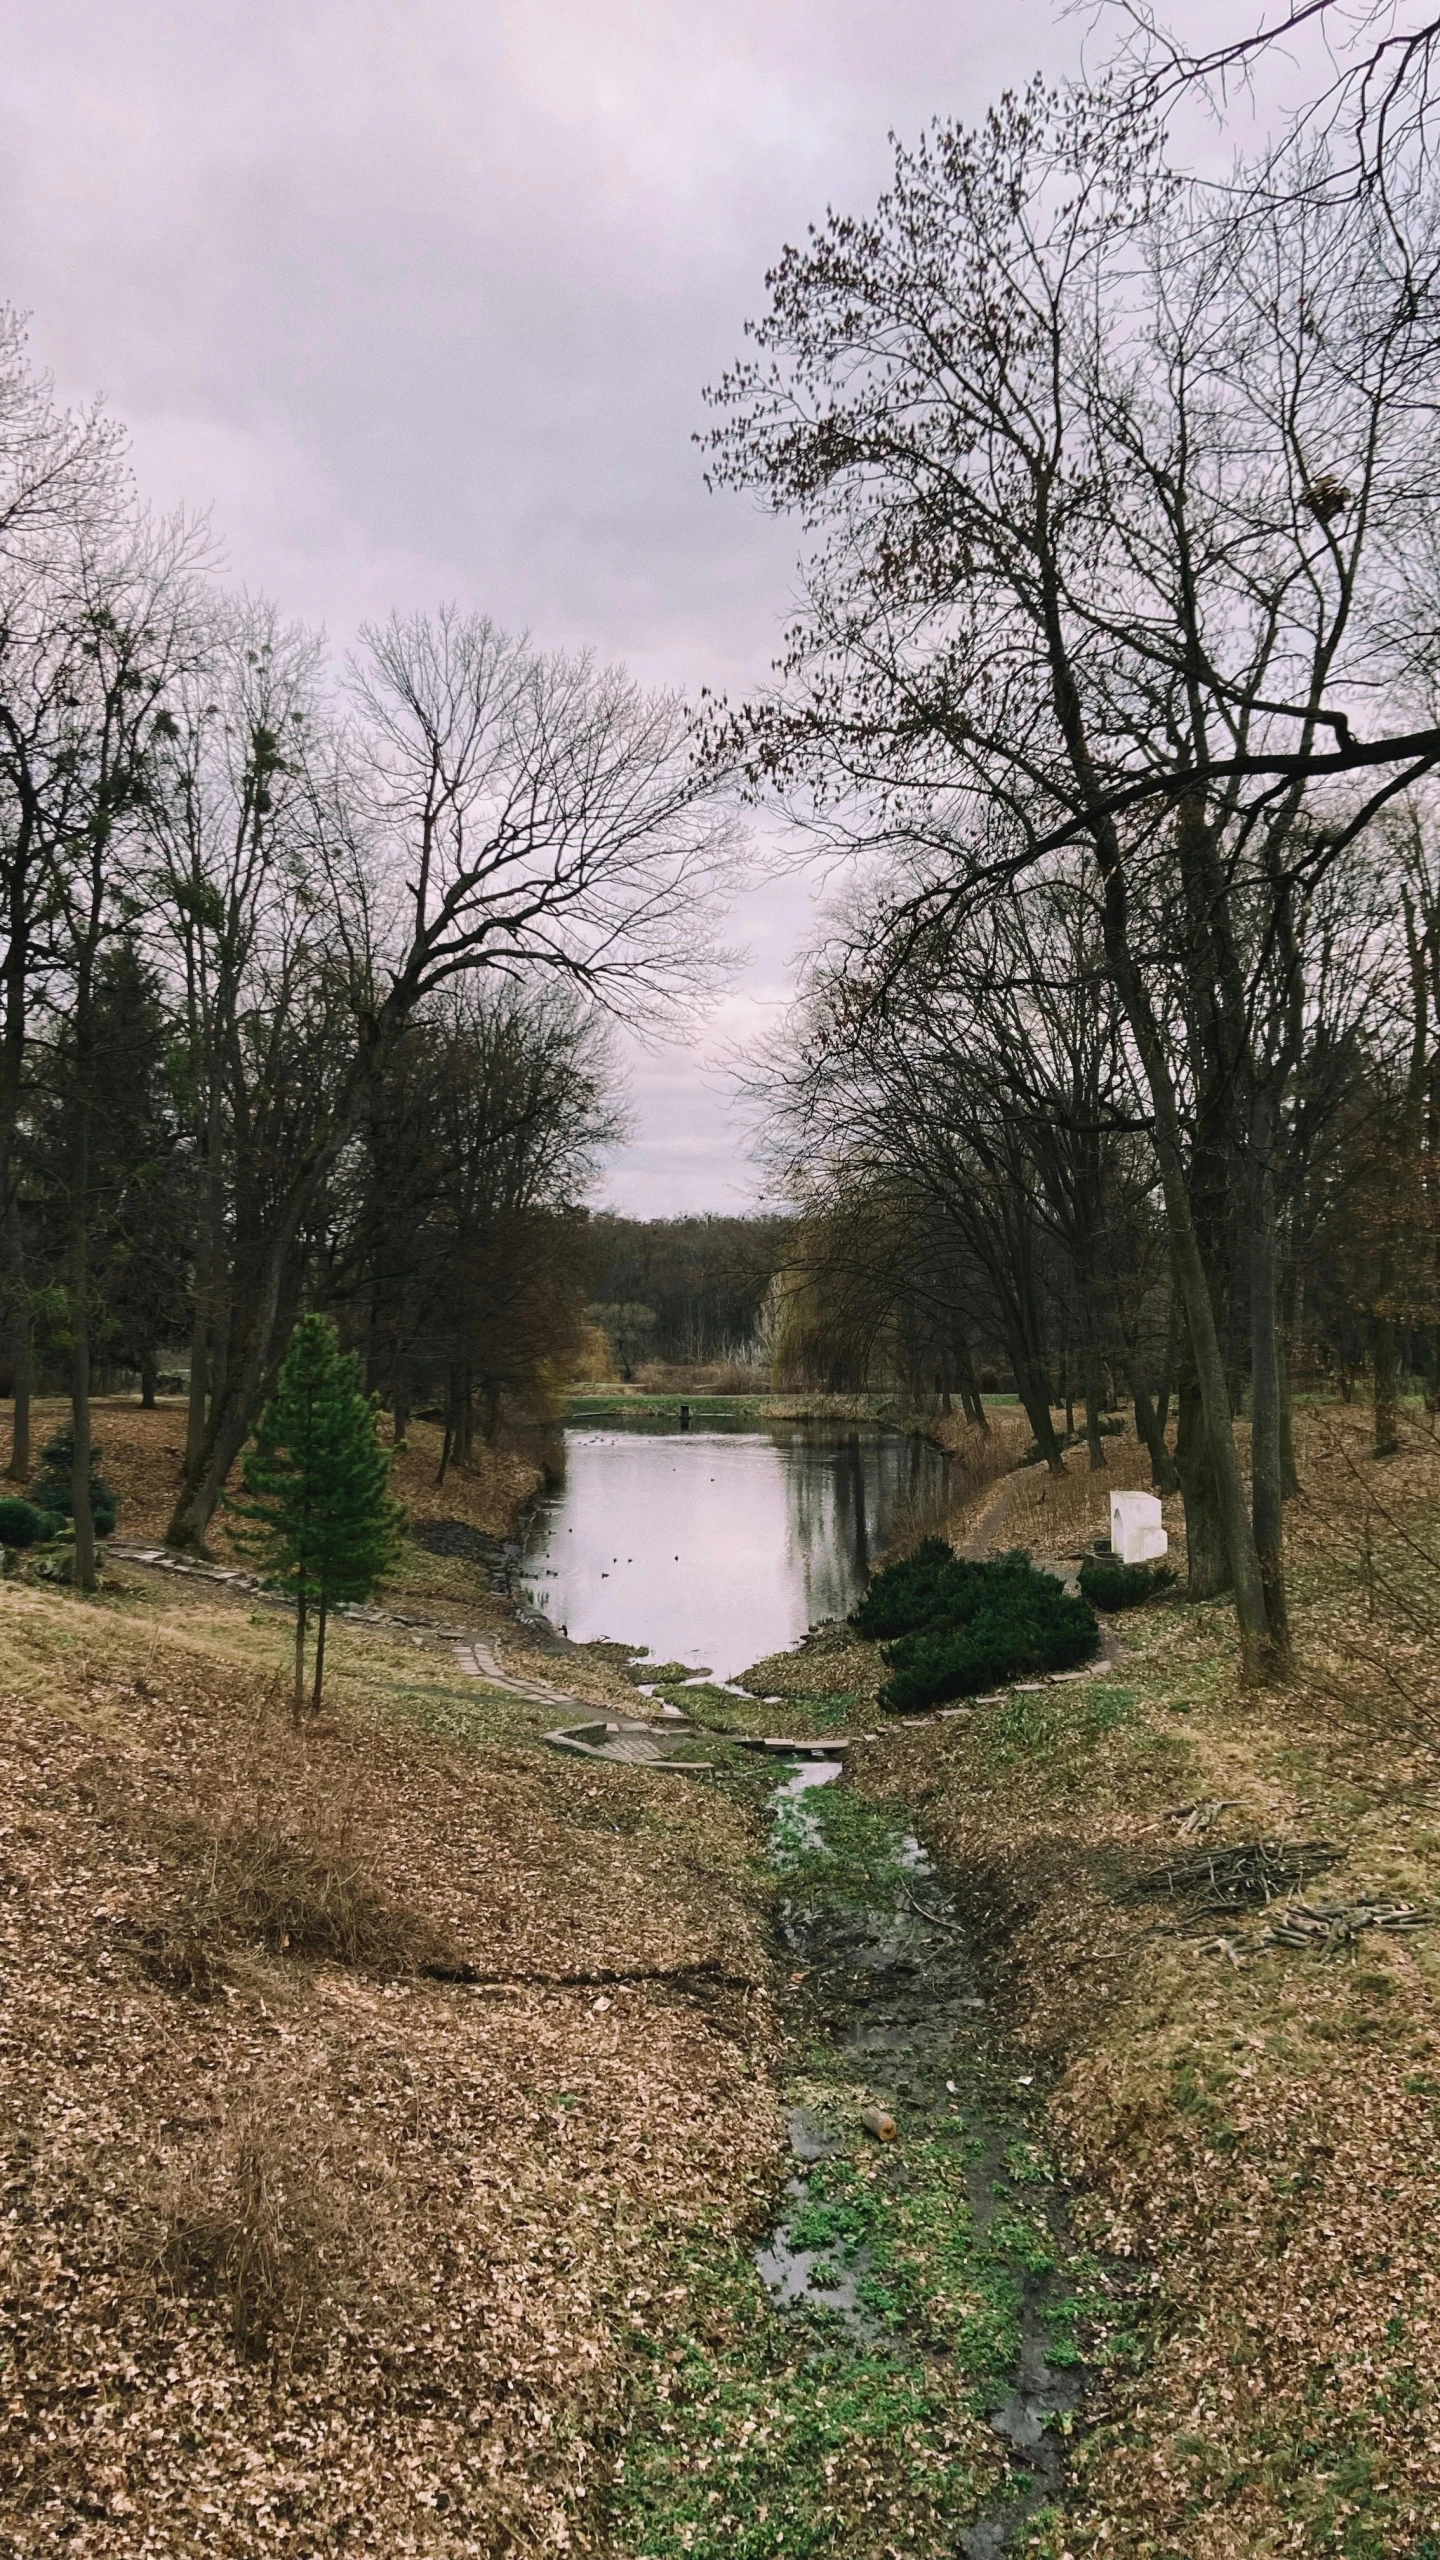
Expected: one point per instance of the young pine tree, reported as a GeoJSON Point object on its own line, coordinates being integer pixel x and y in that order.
{"type": "Point", "coordinates": [317, 1487]}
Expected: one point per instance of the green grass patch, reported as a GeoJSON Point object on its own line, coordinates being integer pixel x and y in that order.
{"type": "Point", "coordinates": [769, 2431]}
{"type": "Point", "coordinates": [778, 2443]}
{"type": "Point", "coordinates": [835, 1850]}
{"type": "Point", "coordinates": [1039, 1724]}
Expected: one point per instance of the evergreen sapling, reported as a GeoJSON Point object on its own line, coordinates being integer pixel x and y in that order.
{"type": "Point", "coordinates": [317, 1488]}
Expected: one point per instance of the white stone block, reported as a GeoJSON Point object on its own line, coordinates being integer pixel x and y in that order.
{"type": "Point", "coordinates": [1135, 1532]}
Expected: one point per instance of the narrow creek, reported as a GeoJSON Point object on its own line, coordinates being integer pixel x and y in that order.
{"type": "Point", "coordinates": [890, 1996]}
{"type": "Point", "coordinates": [914, 2348]}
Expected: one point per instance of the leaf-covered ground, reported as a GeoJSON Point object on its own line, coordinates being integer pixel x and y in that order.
{"type": "Point", "coordinates": [1254, 2145]}
{"type": "Point", "coordinates": [309, 2245]}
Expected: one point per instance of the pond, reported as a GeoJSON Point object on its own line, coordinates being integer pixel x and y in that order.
{"type": "Point", "coordinates": [718, 1546]}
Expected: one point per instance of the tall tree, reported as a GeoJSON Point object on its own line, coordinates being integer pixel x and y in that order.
{"type": "Point", "coordinates": [496, 810]}
{"type": "Point", "coordinates": [1112, 498]}
{"type": "Point", "coordinates": [62, 493]}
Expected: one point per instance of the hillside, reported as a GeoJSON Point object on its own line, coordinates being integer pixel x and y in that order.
{"type": "Point", "coordinates": [308, 2245]}
{"type": "Point", "coordinates": [393, 2107]}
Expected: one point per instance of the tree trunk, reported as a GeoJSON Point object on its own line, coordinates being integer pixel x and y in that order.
{"type": "Point", "coordinates": [79, 1293]}
{"type": "Point", "coordinates": [1387, 1389]}
{"type": "Point", "coordinates": [148, 1375]}
{"type": "Point", "coordinates": [199, 1369]}
{"type": "Point", "coordinates": [1223, 1494]}
{"type": "Point", "coordinates": [22, 1369]}
{"type": "Point", "coordinates": [298, 1698]}
{"type": "Point", "coordinates": [252, 1348]}
{"type": "Point", "coordinates": [1209, 1561]}
{"type": "Point", "coordinates": [1289, 1472]}
{"type": "Point", "coordinates": [1172, 1362]}
{"type": "Point", "coordinates": [1152, 1432]}
{"type": "Point", "coordinates": [400, 1411]}
{"type": "Point", "coordinates": [1266, 1473]}
{"type": "Point", "coordinates": [319, 1682]}
{"type": "Point", "coordinates": [1034, 1392]}
{"type": "Point", "coordinates": [969, 1385]}
{"type": "Point", "coordinates": [1093, 1388]}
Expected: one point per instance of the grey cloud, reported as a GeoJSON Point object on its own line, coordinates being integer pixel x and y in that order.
{"type": "Point", "coordinates": [423, 299]}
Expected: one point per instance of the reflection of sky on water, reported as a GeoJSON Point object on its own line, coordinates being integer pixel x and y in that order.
{"type": "Point", "coordinates": [718, 1547]}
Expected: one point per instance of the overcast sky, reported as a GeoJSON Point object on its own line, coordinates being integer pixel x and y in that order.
{"type": "Point", "coordinates": [419, 301]}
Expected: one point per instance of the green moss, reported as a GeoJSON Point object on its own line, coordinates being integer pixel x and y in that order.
{"type": "Point", "coordinates": [834, 1850]}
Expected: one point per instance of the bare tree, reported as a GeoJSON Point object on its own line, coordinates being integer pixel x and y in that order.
{"type": "Point", "coordinates": [128, 627]}
{"type": "Point", "coordinates": [490, 808]}
{"type": "Point", "coordinates": [1367, 67]}
{"type": "Point", "coordinates": [245, 941]}
{"type": "Point", "coordinates": [62, 491]}
{"type": "Point", "coordinates": [1111, 498]}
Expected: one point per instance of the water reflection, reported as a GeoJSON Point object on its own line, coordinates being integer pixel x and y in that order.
{"type": "Point", "coordinates": [718, 1546]}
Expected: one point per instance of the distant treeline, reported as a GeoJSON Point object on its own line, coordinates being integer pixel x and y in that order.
{"type": "Point", "coordinates": [685, 1290]}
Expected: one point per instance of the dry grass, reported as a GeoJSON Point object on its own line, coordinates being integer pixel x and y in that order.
{"type": "Point", "coordinates": [259, 2225]}
{"type": "Point", "coordinates": [336, 2254]}
{"type": "Point", "coordinates": [143, 1454]}
{"type": "Point", "coordinates": [1253, 2144]}
{"type": "Point", "coordinates": [1057, 1516]}
{"type": "Point", "coordinates": [263, 1877]}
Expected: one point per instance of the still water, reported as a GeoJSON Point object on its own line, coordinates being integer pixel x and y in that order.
{"type": "Point", "coordinates": [716, 1547]}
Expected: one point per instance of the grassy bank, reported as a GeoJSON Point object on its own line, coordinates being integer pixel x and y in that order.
{"type": "Point", "coordinates": [392, 2108]}
{"type": "Point", "coordinates": [363, 2087]}
{"type": "Point", "coordinates": [613, 1403]}
{"type": "Point", "coordinates": [1248, 2131]}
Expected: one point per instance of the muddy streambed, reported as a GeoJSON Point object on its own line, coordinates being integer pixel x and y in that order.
{"type": "Point", "coordinates": [893, 2368]}
{"type": "Point", "coordinates": [945, 2241]}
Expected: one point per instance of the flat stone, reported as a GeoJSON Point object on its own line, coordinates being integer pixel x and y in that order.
{"type": "Point", "coordinates": [791, 1748]}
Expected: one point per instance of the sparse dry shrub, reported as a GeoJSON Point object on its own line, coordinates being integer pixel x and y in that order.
{"type": "Point", "coordinates": [181, 1954]}
{"type": "Point", "coordinates": [279, 1865]}
{"type": "Point", "coordinates": [1366, 1560]}
{"type": "Point", "coordinates": [301, 1893]}
{"type": "Point", "coordinates": [263, 2225]}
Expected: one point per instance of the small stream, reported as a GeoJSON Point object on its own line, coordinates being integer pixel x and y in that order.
{"type": "Point", "coordinates": [893, 1992]}
{"type": "Point", "coordinates": [721, 1547]}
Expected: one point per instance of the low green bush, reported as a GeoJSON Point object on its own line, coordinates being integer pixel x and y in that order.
{"type": "Point", "coordinates": [975, 1627]}
{"type": "Point", "coordinates": [52, 1486]}
{"type": "Point", "coordinates": [1109, 1584]}
{"type": "Point", "coordinates": [21, 1525]}
{"type": "Point", "coordinates": [924, 1586]}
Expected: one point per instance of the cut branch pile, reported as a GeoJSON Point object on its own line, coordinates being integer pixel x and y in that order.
{"type": "Point", "coordinates": [1326, 1926]}
{"type": "Point", "coordinates": [1232, 1879]}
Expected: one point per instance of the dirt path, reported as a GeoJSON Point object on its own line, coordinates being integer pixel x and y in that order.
{"type": "Point", "coordinates": [992, 1519]}
{"type": "Point", "coordinates": [477, 1655]}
